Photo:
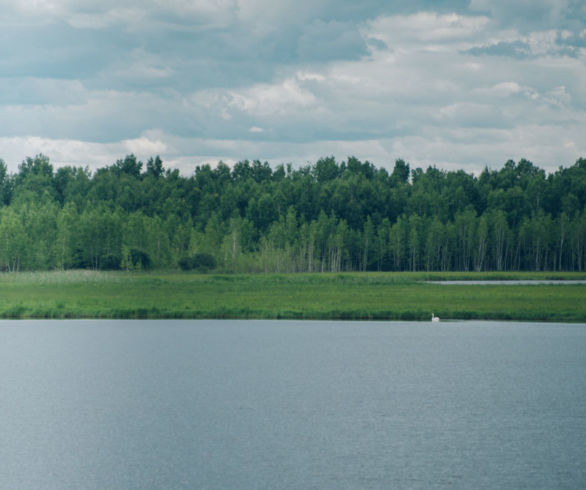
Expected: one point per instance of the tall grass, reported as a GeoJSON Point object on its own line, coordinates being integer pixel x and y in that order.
{"type": "Point", "coordinates": [381, 296]}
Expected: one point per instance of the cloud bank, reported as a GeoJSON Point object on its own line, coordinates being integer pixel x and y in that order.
{"type": "Point", "coordinates": [455, 84]}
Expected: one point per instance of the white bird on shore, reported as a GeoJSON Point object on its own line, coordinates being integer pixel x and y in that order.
{"type": "Point", "coordinates": [434, 318]}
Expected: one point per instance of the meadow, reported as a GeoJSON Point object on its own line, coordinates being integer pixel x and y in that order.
{"type": "Point", "coordinates": [371, 296]}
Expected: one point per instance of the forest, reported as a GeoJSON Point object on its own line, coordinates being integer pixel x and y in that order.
{"type": "Point", "coordinates": [326, 216]}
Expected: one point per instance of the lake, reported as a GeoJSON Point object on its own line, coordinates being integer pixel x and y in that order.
{"type": "Point", "coordinates": [292, 405]}
{"type": "Point", "coordinates": [510, 282]}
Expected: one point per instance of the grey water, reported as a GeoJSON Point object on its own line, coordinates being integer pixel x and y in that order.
{"type": "Point", "coordinates": [292, 405]}
{"type": "Point", "coordinates": [511, 282]}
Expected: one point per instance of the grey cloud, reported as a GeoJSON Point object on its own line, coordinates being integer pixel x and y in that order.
{"type": "Point", "coordinates": [571, 44]}
{"type": "Point", "coordinates": [58, 51]}
{"type": "Point", "coordinates": [377, 44]}
{"type": "Point", "coordinates": [515, 49]}
{"type": "Point", "coordinates": [331, 41]}
{"type": "Point", "coordinates": [40, 91]}
{"type": "Point", "coordinates": [565, 43]}
{"type": "Point", "coordinates": [369, 9]}
{"type": "Point", "coordinates": [527, 15]}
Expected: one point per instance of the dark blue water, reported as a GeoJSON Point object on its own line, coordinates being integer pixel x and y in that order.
{"type": "Point", "coordinates": [295, 405]}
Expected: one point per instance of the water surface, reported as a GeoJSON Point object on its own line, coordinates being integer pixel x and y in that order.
{"type": "Point", "coordinates": [510, 282]}
{"type": "Point", "coordinates": [296, 405]}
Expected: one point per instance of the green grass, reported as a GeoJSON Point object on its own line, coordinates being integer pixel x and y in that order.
{"type": "Point", "coordinates": [388, 296]}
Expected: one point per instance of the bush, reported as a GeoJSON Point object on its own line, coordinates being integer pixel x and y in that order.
{"type": "Point", "coordinates": [110, 262]}
{"type": "Point", "coordinates": [202, 262]}
{"type": "Point", "coordinates": [185, 263]}
{"type": "Point", "coordinates": [140, 259]}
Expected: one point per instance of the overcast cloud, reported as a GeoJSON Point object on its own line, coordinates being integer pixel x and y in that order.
{"type": "Point", "coordinates": [457, 84]}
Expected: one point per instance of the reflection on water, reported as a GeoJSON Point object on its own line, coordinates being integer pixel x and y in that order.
{"type": "Point", "coordinates": [275, 404]}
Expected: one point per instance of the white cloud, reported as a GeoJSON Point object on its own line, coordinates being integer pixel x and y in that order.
{"type": "Point", "coordinates": [558, 96]}
{"type": "Point", "coordinates": [542, 42]}
{"type": "Point", "coordinates": [282, 98]}
{"type": "Point", "coordinates": [474, 148]}
{"type": "Point", "coordinates": [502, 89]}
{"type": "Point", "coordinates": [427, 29]}
{"type": "Point", "coordinates": [471, 148]}
{"type": "Point", "coordinates": [305, 76]}
{"type": "Point", "coordinates": [62, 152]}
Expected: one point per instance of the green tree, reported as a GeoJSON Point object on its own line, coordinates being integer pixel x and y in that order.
{"type": "Point", "coordinates": [398, 244]}
{"type": "Point", "coordinates": [13, 240]}
{"type": "Point", "coordinates": [6, 185]}
{"type": "Point", "coordinates": [67, 221]}
{"type": "Point", "coordinates": [154, 167]}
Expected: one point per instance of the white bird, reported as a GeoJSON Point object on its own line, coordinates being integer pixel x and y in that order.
{"type": "Point", "coordinates": [434, 318]}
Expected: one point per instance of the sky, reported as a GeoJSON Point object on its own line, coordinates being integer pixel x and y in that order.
{"type": "Point", "coordinates": [459, 84]}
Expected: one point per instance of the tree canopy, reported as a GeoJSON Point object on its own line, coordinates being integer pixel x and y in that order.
{"type": "Point", "coordinates": [326, 216]}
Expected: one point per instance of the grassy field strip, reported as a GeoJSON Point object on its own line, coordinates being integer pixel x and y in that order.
{"type": "Point", "coordinates": [383, 296]}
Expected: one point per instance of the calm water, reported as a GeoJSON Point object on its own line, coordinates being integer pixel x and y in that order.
{"type": "Point", "coordinates": [295, 405]}
{"type": "Point", "coordinates": [513, 282]}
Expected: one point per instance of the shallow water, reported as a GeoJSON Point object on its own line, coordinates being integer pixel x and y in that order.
{"type": "Point", "coordinates": [528, 282]}
{"type": "Point", "coordinates": [281, 404]}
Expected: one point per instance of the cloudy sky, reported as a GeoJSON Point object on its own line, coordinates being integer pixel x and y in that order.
{"type": "Point", "coordinates": [451, 83]}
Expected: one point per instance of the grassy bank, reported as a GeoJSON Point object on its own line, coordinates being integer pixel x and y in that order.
{"type": "Point", "coordinates": [389, 296]}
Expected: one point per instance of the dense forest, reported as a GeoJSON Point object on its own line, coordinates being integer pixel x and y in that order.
{"type": "Point", "coordinates": [328, 216]}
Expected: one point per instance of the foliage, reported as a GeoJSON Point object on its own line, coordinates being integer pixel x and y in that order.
{"type": "Point", "coordinates": [327, 217]}
{"type": "Point", "coordinates": [201, 262]}
{"type": "Point", "coordinates": [139, 259]}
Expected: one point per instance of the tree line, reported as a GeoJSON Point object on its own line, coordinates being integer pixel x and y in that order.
{"type": "Point", "coordinates": [326, 216]}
